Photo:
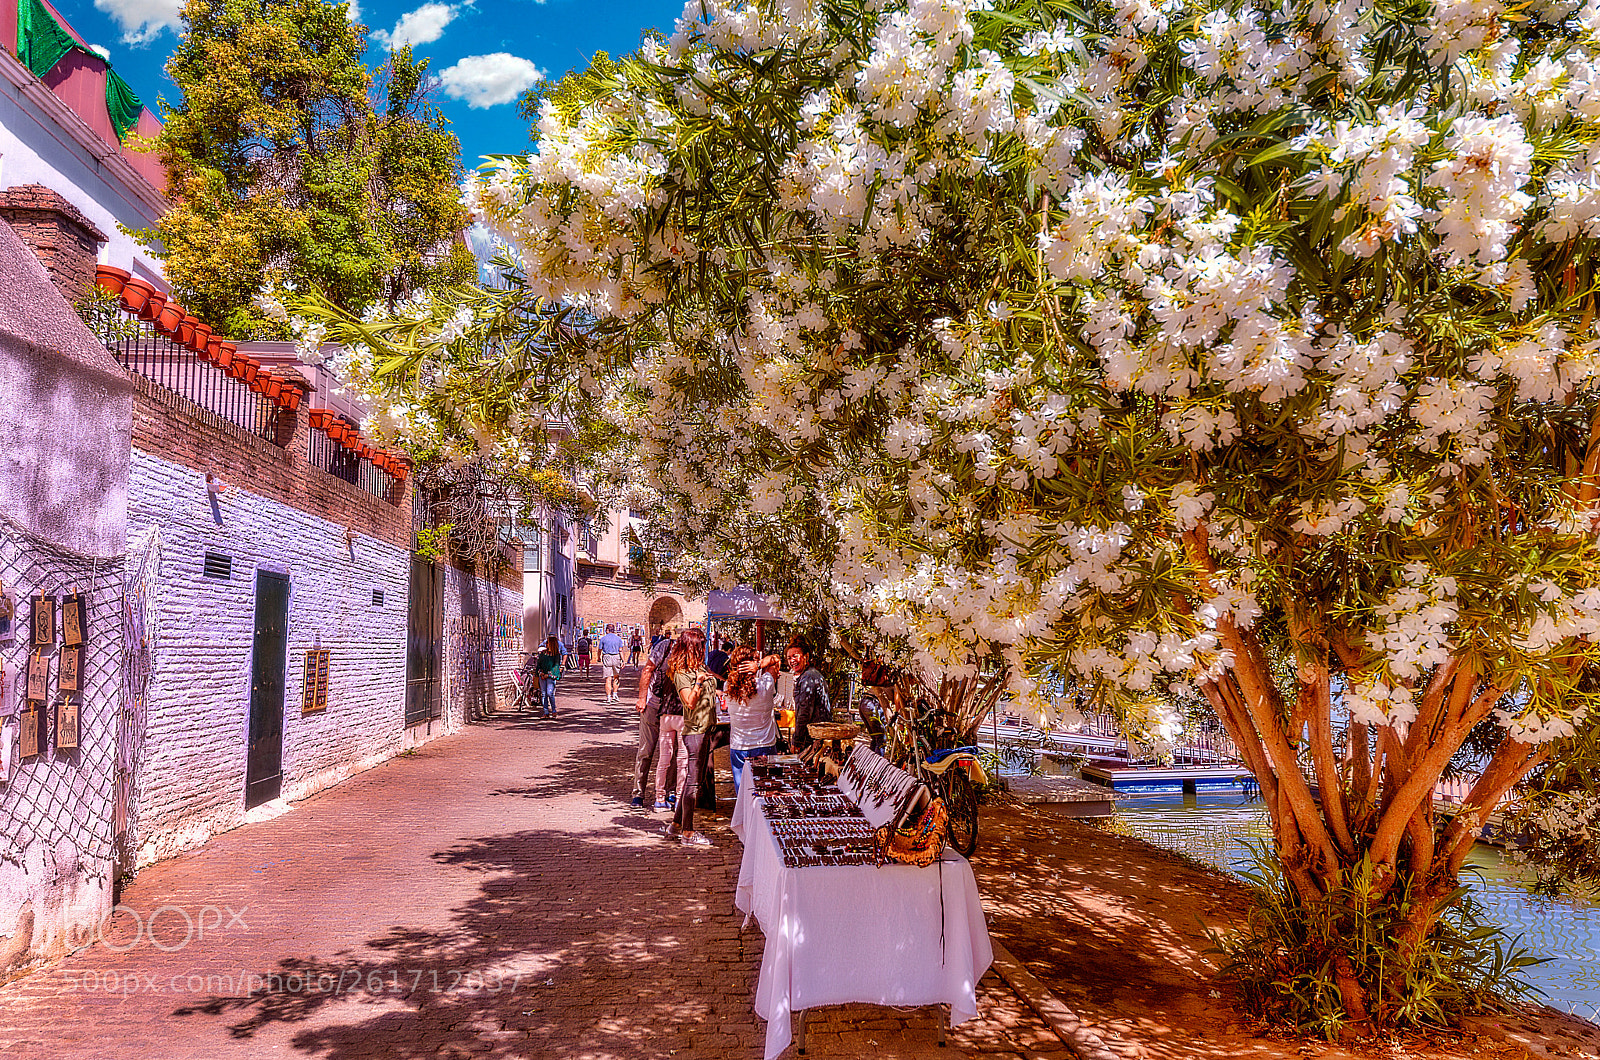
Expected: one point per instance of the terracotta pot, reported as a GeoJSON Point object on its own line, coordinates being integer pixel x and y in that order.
{"type": "Point", "coordinates": [270, 386]}
{"type": "Point", "coordinates": [320, 419]}
{"type": "Point", "coordinates": [223, 354]}
{"type": "Point", "coordinates": [184, 332]}
{"type": "Point", "coordinates": [136, 294]}
{"type": "Point", "coordinates": [112, 279]}
{"type": "Point", "coordinates": [336, 429]}
{"type": "Point", "coordinates": [252, 367]}
{"type": "Point", "coordinates": [230, 351]}
{"type": "Point", "coordinates": [290, 398]}
{"type": "Point", "coordinates": [152, 306]}
{"type": "Point", "coordinates": [167, 320]}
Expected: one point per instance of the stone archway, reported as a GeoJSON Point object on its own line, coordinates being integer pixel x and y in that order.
{"type": "Point", "coordinates": [666, 616]}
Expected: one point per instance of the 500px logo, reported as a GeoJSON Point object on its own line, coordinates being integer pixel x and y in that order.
{"type": "Point", "coordinates": [124, 927]}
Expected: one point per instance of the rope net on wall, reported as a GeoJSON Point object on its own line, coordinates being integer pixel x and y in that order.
{"type": "Point", "coordinates": [61, 802]}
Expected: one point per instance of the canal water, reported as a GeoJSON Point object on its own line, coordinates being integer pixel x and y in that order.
{"type": "Point", "coordinates": [1216, 829]}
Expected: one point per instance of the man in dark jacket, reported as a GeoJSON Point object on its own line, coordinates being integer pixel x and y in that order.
{"type": "Point", "coordinates": [810, 691]}
{"type": "Point", "coordinates": [649, 708]}
{"type": "Point", "coordinates": [717, 660]}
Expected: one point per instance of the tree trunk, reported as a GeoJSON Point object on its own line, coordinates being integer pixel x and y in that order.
{"type": "Point", "coordinates": [1355, 834]}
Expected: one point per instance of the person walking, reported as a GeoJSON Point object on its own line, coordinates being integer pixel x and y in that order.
{"type": "Point", "coordinates": [649, 707]}
{"type": "Point", "coordinates": [810, 691]}
{"type": "Point", "coordinates": [753, 730]}
{"type": "Point", "coordinates": [611, 661]}
{"type": "Point", "coordinates": [584, 644]}
{"type": "Point", "coordinates": [696, 691]}
{"type": "Point", "coordinates": [635, 647]}
{"type": "Point", "coordinates": [548, 666]}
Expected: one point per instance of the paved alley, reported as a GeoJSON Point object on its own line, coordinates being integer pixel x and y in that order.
{"type": "Point", "coordinates": [491, 894]}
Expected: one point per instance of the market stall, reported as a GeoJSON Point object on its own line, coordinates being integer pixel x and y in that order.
{"type": "Point", "coordinates": [742, 614]}
{"type": "Point", "coordinates": [841, 927]}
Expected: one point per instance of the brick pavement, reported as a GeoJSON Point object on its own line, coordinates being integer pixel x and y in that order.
{"type": "Point", "coordinates": [490, 894]}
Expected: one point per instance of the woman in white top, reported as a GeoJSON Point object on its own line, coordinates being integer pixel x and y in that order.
{"type": "Point", "coordinates": [753, 729]}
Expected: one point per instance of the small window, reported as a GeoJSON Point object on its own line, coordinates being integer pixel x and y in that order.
{"type": "Point", "coordinates": [314, 689]}
{"type": "Point", "coordinates": [377, 598]}
{"type": "Point", "coordinates": [218, 566]}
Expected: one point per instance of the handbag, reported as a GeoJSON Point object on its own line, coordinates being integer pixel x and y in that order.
{"type": "Point", "coordinates": [919, 843]}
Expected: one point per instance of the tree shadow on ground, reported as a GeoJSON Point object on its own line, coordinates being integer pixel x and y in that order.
{"type": "Point", "coordinates": [574, 945]}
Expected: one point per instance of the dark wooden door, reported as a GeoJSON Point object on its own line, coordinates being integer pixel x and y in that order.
{"type": "Point", "coordinates": [424, 642]}
{"type": "Point", "coordinates": [263, 778]}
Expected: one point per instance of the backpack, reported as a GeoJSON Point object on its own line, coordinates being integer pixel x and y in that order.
{"type": "Point", "coordinates": [664, 690]}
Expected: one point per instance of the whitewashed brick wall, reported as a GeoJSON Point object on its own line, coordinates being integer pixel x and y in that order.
{"type": "Point", "coordinates": [192, 772]}
{"type": "Point", "coordinates": [472, 683]}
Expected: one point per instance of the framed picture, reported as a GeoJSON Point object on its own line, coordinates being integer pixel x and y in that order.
{"type": "Point", "coordinates": [8, 618]}
{"type": "Point", "coordinates": [39, 676]}
{"type": "Point", "coordinates": [30, 731]}
{"type": "Point", "coordinates": [67, 669]}
{"type": "Point", "coordinates": [74, 615]}
{"type": "Point", "coordinates": [67, 724]}
{"type": "Point", "coordinates": [44, 621]}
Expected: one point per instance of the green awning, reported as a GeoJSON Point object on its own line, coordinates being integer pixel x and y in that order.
{"type": "Point", "coordinates": [41, 40]}
{"type": "Point", "coordinates": [123, 106]}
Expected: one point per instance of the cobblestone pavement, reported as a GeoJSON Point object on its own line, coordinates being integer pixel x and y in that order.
{"type": "Point", "coordinates": [489, 895]}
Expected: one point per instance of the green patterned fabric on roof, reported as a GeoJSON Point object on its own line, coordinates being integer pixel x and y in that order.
{"type": "Point", "coordinates": [123, 106]}
{"type": "Point", "coordinates": [41, 40]}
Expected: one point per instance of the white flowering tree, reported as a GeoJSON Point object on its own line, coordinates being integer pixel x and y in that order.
{"type": "Point", "coordinates": [1135, 344]}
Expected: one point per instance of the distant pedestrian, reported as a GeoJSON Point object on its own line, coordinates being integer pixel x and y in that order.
{"type": "Point", "coordinates": [611, 661]}
{"type": "Point", "coordinates": [753, 730]}
{"type": "Point", "coordinates": [649, 724]}
{"type": "Point", "coordinates": [810, 691]}
{"type": "Point", "coordinates": [548, 666]}
{"type": "Point", "coordinates": [696, 689]}
{"type": "Point", "coordinates": [584, 644]}
{"type": "Point", "coordinates": [635, 647]}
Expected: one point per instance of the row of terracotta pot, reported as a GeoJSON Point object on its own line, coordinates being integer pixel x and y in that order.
{"type": "Point", "coordinates": [171, 319]}
{"type": "Point", "coordinates": [347, 436]}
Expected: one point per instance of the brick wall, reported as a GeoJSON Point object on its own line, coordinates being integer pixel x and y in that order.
{"type": "Point", "coordinates": [479, 658]}
{"type": "Point", "coordinates": [191, 777]}
{"type": "Point", "coordinates": [65, 240]}
{"type": "Point", "coordinates": [603, 597]}
{"type": "Point", "coordinates": [172, 428]}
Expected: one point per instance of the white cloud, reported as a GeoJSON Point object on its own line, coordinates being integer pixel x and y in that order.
{"type": "Point", "coordinates": [488, 80]}
{"type": "Point", "coordinates": [353, 13]}
{"type": "Point", "coordinates": [423, 26]}
{"type": "Point", "coordinates": [142, 21]}
{"type": "Point", "coordinates": [102, 51]}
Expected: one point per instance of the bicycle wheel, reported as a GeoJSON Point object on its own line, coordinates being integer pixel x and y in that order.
{"type": "Point", "coordinates": [961, 803]}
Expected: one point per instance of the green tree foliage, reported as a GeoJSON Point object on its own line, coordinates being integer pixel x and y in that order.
{"type": "Point", "coordinates": [290, 164]}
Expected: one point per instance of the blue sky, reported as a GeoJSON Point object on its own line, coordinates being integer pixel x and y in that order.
{"type": "Point", "coordinates": [483, 52]}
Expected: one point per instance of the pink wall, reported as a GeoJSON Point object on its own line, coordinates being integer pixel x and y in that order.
{"type": "Point", "coordinates": [146, 163]}
{"type": "Point", "coordinates": [79, 81]}
{"type": "Point", "coordinates": [8, 27]}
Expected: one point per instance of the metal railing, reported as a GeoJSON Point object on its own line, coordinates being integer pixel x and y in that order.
{"type": "Point", "coordinates": [325, 453]}
{"type": "Point", "coordinates": [146, 352]}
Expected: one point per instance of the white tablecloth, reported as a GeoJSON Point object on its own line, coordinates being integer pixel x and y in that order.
{"type": "Point", "coordinates": [840, 934]}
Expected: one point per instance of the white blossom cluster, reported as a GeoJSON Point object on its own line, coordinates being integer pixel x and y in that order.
{"type": "Point", "coordinates": [1222, 293]}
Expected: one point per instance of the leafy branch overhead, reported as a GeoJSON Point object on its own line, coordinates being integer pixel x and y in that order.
{"type": "Point", "coordinates": [1202, 348]}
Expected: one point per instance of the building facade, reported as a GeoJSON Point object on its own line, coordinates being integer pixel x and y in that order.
{"type": "Point", "coordinates": [215, 602]}
{"type": "Point", "coordinates": [609, 589]}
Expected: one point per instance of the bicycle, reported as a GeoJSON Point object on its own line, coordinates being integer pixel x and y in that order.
{"type": "Point", "coordinates": [950, 772]}
{"type": "Point", "coordinates": [526, 683]}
